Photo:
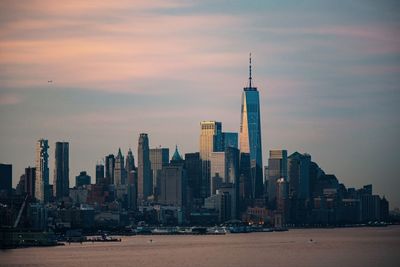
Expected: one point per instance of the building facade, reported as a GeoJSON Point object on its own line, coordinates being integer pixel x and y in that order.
{"type": "Point", "coordinates": [42, 190]}
{"type": "Point", "coordinates": [61, 170]}
{"type": "Point", "coordinates": [145, 183]}
{"type": "Point", "coordinates": [158, 158]}
{"type": "Point", "coordinates": [210, 141]}
{"type": "Point", "coordinates": [250, 135]}
{"type": "Point", "coordinates": [277, 168]}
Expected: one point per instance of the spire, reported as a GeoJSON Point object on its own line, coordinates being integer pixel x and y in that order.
{"type": "Point", "coordinates": [250, 71]}
{"type": "Point", "coordinates": [176, 156]}
{"type": "Point", "coordinates": [119, 153]}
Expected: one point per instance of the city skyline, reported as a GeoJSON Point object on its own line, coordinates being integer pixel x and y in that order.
{"type": "Point", "coordinates": [328, 83]}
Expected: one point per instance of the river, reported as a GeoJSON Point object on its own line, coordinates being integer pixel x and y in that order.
{"type": "Point", "coordinates": [298, 247]}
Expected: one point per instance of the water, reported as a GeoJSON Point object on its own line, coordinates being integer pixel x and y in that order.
{"type": "Point", "coordinates": [329, 247]}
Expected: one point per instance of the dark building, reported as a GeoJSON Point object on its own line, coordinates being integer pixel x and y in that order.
{"type": "Point", "coordinates": [229, 140]}
{"type": "Point", "coordinates": [109, 171]}
{"type": "Point", "coordinates": [61, 170]}
{"type": "Point", "coordinates": [99, 173]}
{"type": "Point", "coordinates": [158, 158]}
{"type": "Point", "coordinates": [130, 162]}
{"type": "Point", "coordinates": [82, 179]}
{"type": "Point", "coordinates": [173, 182]}
{"type": "Point", "coordinates": [30, 180]}
{"type": "Point", "coordinates": [5, 179]}
{"type": "Point", "coordinates": [193, 172]}
{"type": "Point", "coordinates": [299, 175]}
{"type": "Point", "coordinates": [145, 183]}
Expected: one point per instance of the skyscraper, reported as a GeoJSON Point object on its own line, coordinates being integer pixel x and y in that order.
{"type": "Point", "coordinates": [119, 169]}
{"type": "Point", "coordinates": [158, 158]}
{"type": "Point", "coordinates": [230, 139]}
{"type": "Point", "coordinates": [250, 135]}
{"type": "Point", "coordinates": [82, 179]}
{"type": "Point", "coordinates": [277, 168]}
{"type": "Point", "coordinates": [130, 162]}
{"type": "Point", "coordinates": [210, 141]}
{"type": "Point", "coordinates": [61, 170]}
{"type": "Point", "coordinates": [299, 175]}
{"type": "Point", "coordinates": [145, 184]}
{"type": "Point", "coordinates": [42, 171]}
{"type": "Point", "coordinates": [173, 182]}
{"type": "Point", "coordinates": [193, 170]}
{"type": "Point", "coordinates": [5, 179]}
{"type": "Point", "coordinates": [30, 177]}
{"type": "Point", "coordinates": [110, 165]}
{"type": "Point", "coordinates": [99, 173]}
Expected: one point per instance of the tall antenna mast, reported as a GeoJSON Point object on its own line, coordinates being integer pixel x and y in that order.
{"type": "Point", "coordinates": [250, 71]}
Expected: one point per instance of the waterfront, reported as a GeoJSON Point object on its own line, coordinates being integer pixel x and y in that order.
{"type": "Point", "coordinates": [298, 247]}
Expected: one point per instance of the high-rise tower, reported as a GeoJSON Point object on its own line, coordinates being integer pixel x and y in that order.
{"type": "Point", "coordinates": [210, 141]}
{"type": "Point", "coordinates": [119, 169]}
{"type": "Point", "coordinates": [61, 170]}
{"type": "Point", "coordinates": [145, 183]}
{"type": "Point", "coordinates": [42, 171]}
{"type": "Point", "coordinates": [250, 135]}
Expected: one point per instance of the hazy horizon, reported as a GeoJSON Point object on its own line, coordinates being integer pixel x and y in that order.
{"type": "Point", "coordinates": [327, 71]}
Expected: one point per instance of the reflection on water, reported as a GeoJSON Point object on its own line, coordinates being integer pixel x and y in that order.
{"type": "Point", "coordinates": [313, 247]}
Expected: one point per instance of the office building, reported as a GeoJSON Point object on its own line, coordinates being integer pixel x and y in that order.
{"type": "Point", "coordinates": [210, 141]}
{"type": "Point", "coordinates": [173, 183]}
{"type": "Point", "coordinates": [61, 170]}
{"type": "Point", "coordinates": [229, 140]}
{"type": "Point", "coordinates": [119, 169]}
{"type": "Point", "coordinates": [299, 175]}
{"type": "Point", "coordinates": [158, 158]}
{"type": "Point", "coordinates": [130, 162]}
{"type": "Point", "coordinates": [193, 171]}
{"type": "Point", "coordinates": [82, 179]}
{"type": "Point", "coordinates": [42, 190]}
{"type": "Point", "coordinates": [99, 173]}
{"type": "Point", "coordinates": [145, 184]}
{"type": "Point", "coordinates": [30, 180]}
{"type": "Point", "coordinates": [109, 165]}
{"type": "Point", "coordinates": [277, 168]}
{"type": "Point", "coordinates": [250, 135]}
{"type": "Point", "coordinates": [5, 179]}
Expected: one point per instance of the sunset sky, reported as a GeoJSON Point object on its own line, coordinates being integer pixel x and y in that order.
{"type": "Point", "coordinates": [328, 73]}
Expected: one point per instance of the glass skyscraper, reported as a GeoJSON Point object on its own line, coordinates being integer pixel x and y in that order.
{"type": "Point", "coordinates": [250, 135]}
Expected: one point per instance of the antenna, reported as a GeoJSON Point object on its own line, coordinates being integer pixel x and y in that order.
{"type": "Point", "coordinates": [250, 71]}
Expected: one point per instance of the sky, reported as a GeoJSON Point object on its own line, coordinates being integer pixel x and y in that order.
{"type": "Point", "coordinates": [328, 74]}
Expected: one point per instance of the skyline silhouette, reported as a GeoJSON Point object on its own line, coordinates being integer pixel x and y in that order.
{"type": "Point", "coordinates": [328, 76]}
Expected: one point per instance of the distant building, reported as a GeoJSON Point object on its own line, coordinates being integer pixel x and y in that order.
{"type": "Point", "coordinates": [193, 170]}
{"type": "Point", "coordinates": [299, 175]}
{"type": "Point", "coordinates": [82, 179]}
{"type": "Point", "coordinates": [158, 158]}
{"type": "Point", "coordinates": [99, 173]}
{"type": "Point", "coordinates": [218, 166]}
{"type": "Point", "coordinates": [145, 183]}
{"type": "Point", "coordinates": [5, 179]}
{"type": "Point", "coordinates": [119, 169]}
{"type": "Point", "coordinates": [130, 162]}
{"type": "Point", "coordinates": [42, 190]}
{"type": "Point", "coordinates": [30, 178]}
{"type": "Point", "coordinates": [210, 141]}
{"type": "Point", "coordinates": [250, 135]}
{"type": "Point", "coordinates": [61, 170]}
{"type": "Point", "coordinates": [110, 165]}
{"type": "Point", "coordinates": [229, 140]}
{"type": "Point", "coordinates": [173, 183]}
{"type": "Point", "coordinates": [277, 168]}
